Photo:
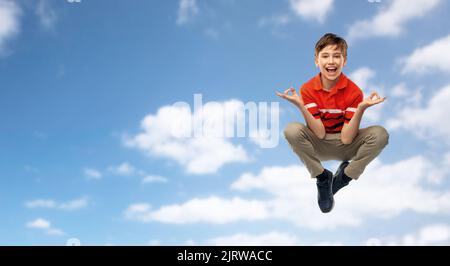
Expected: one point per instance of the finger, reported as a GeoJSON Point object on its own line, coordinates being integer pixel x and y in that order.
{"type": "Point", "coordinates": [281, 94]}
{"type": "Point", "coordinates": [378, 101]}
{"type": "Point", "coordinates": [284, 96]}
{"type": "Point", "coordinates": [286, 91]}
{"type": "Point", "coordinates": [294, 92]}
{"type": "Point", "coordinates": [374, 96]}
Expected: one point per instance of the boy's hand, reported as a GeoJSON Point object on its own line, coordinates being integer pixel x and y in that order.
{"type": "Point", "coordinates": [373, 99]}
{"type": "Point", "coordinates": [294, 98]}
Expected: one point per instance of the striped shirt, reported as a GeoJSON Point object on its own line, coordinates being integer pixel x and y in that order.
{"type": "Point", "coordinates": [334, 107]}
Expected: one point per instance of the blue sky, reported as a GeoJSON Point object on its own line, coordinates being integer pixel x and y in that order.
{"type": "Point", "coordinates": [87, 94]}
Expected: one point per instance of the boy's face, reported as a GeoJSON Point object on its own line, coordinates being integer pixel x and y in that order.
{"type": "Point", "coordinates": [330, 60]}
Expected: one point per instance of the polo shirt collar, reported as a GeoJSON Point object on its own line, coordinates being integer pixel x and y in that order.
{"type": "Point", "coordinates": [341, 83]}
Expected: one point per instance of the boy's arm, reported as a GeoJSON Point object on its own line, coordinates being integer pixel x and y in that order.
{"type": "Point", "coordinates": [313, 121]}
{"type": "Point", "coordinates": [311, 113]}
{"type": "Point", "coordinates": [351, 129]}
{"type": "Point", "coordinates": [315, 124]}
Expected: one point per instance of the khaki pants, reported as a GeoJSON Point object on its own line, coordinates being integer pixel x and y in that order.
{"type": "Point", "coordinates": [367, 144]}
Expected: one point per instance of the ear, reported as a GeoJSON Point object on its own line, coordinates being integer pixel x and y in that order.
{"type": "Point", "coordinates": [316, 60]}
{"type": "Point", "coordinates": [345, 61]}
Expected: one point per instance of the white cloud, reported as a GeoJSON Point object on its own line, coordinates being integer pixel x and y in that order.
{"type": "Point", "coordinates": [45, 225]}
{"type": "Point", "coordinates": [139, 212]}
{"type": "Point", "coordinates": [52, 204]}
{"type": "Point", "coordinates": [124, 169]}
{"type": "Point", "coordinates": [434, 234]}
{"type": "Point", "coordinates": [434, 56]}
{"type": "Point", "coordinates": [362, 77]}
{"type": "Point", "coordinates": [294, 196]}
{"type": "Point", "coordinates": [399, 90]}
{"type": "Point", "coordinates": [384, 191]}
{"type": "Point", "coordinates": [93, 173]}
{"type": "Point", "coordinates": [243, 239]}
{"type": "Point", "coordinates": [209, 210]}
{"type": "Point", "coordinates": [390, 20]}
{"type": "Point", "coordinates": [47, 15]}
{"type": "Point", "coordinates": [55, 231]}
{"type": "Point", "coordinates": [9, 21]}
{"type": "Point", "coordinates": [39, 224]}
{"type": "Point", "coordinates": [186, 10]}
{"type": "Point", "coordinates": [428, 122]}
{"type": "Point", "coordinates": [170, 134]}
{"type": "Point", "coordinates": [406, 96]}
{"type": "Point", "coordinates": [154, 179]}
{"type": "Point", "coordinates": [312, 9]}
{"type": "Point", "coordinates": [74, 204]}
{"type": "Point", "coordinates": [41, 203]}
{"type": "Point", "coordinates": [260, 137]}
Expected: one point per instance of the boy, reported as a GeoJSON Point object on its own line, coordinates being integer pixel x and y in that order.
{"type": "Point", "coordinates": [333, 106]}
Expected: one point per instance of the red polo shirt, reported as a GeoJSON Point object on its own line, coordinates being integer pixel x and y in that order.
{"type": "Point", "coordinates": [334, 107]}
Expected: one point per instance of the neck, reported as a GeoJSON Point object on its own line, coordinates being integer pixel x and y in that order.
{"type": "Point", "coordinates": [328, 84]}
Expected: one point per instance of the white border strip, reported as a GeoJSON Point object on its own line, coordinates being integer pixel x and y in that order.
{"type": "Point", "coordinates": [331, 111]}
{"type": "Point", "coordinates": [310, 105]}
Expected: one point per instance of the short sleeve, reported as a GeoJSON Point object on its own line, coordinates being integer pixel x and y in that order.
{"type": "Point", "coordinates": [310, 103]}
{"type": "Point", "coordinates": [356, 98]}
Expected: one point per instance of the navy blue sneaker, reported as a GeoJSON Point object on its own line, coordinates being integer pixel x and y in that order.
{"type": "Point", "coordinates": [325, 194]}
{"type": "Point", "coordinates": [339, 180]}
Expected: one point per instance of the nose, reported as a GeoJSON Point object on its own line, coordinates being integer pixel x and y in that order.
{"type": "Point", "coordinates": [330, 60]}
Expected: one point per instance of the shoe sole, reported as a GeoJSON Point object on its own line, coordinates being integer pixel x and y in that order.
{"type": "Point", "coordinates": [327, 211]}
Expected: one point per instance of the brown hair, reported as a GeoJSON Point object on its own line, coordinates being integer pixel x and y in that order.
{"type": "Point", "coordinates": [331, 39]}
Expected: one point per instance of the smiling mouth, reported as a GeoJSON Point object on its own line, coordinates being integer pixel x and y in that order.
{"type": "Point", "coordinates": [331, 70]}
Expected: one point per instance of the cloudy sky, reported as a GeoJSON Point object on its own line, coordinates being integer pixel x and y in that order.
{"type": "Point", "coordinates": [98, 122]}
